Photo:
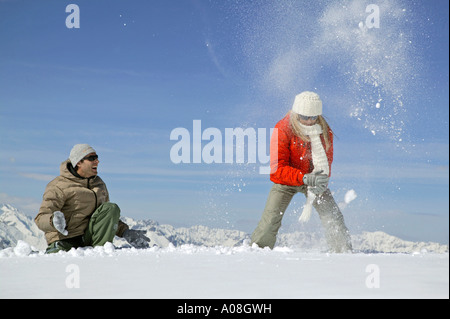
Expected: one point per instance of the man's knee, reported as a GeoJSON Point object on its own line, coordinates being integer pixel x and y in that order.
{"type": "Point", "coordinates": [109, 209]}
{"type": "Point", "coordinates": [110, 206]}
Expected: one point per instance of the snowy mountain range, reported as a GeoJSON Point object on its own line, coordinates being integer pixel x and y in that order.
{"type": "Point", "coordinates": [15, 227]}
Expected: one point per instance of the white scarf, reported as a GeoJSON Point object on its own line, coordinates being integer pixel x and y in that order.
{"type": "Point", "coordinates": [320, 162]}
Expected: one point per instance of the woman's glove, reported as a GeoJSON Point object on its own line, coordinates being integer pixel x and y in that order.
{"type": "Point", "coordinates": [317, 181]}
{"type": "Point", "coordinates": [136, 238]}
{"type": "Point", "coordinates": [59, 222]}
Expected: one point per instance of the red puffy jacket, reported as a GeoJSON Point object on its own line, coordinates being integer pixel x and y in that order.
{"type": "Point", "coordinates": [290, 156]}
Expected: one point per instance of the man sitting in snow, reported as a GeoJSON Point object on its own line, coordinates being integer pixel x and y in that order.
{"type": "Point", "coordinates": [76, 212]}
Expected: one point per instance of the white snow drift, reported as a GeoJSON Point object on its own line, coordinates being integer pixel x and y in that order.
{"type": "Point", "coordinates": [200, 262]}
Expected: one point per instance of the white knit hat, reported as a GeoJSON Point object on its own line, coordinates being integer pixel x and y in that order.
{"type": "Point", "coordinates": [78, 152]}
{"type": "Point", "coordinates": [308, 104]}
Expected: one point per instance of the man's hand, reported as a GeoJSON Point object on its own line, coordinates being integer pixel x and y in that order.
{"type": "Point", "coordinates": [59, 222]}
{"type": "Point", "coordinates": [136, 238]}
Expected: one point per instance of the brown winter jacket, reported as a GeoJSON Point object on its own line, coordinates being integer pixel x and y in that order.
{"type": "Point", "coordinates": [77, 198]}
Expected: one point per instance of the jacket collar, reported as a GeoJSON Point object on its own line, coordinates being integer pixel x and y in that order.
{"type": "Point", "coordinates": [66, 170]}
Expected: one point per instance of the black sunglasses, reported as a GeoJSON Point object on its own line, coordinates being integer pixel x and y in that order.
{"type": "Point", "coordinates": [91, 158]}
{"type": "Point", "coordinates": [306, 118]}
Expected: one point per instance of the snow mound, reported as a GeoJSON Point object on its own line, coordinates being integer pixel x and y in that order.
{"type": "Point", "coordinates": [22, 248]}
{"type": "Point", "coordinates": [19, 236]}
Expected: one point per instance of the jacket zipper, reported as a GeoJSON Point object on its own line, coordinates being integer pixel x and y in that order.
{"type": "Point", "coordinates": [88, 186]}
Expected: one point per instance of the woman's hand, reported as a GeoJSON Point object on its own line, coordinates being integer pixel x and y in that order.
{"type": "Point", "coordinates": [317, 182]}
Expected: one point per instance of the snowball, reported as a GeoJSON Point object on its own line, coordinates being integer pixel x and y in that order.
{"type": "Point", "coordinates": [350, 196]}
{"type": "Point", "coordinates": [109, 248]}
{"type": "Point", "coordinates": [22, 248]}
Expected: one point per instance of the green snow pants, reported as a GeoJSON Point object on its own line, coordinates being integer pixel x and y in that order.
{"type": "Point", "coordinates": [336, 233]}
{"type": "Point", "coordinates": [101, 229]}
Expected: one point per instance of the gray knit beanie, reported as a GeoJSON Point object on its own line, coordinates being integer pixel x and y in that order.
{"type": "Point", "coordinates": [78, 152]}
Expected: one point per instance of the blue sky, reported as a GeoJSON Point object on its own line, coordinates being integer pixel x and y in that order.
{"type": "Point", "coordinates": [136, 70]}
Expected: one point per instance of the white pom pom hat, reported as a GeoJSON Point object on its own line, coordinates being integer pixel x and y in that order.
{"type": "Point", "coordinates": [307, 104]}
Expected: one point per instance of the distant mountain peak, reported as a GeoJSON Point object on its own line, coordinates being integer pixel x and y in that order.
{"type": "Point", "coordinates": [15, 226]}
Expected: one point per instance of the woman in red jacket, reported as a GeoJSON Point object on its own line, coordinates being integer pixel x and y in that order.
{"type": "Point", "coordinates": [301, 153]}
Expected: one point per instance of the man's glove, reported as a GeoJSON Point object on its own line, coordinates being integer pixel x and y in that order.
{"type": "Point", "coordinates": [59, 222]}
{"type": "Point", "coordinates": [317, 181]}
{"type": "Point", "coordinates": [136, 238]}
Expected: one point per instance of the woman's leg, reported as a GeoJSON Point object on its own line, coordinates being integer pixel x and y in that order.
{"type": "Point", "coordinates": [336, 233]}
{"type": "Point", "coordinates": [265, 234]}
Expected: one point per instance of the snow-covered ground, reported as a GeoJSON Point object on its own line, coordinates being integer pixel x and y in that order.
{"type": "Point", "coordinates": [202, 272]}
{"type": "Point", "coordinates": [201, 262]}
